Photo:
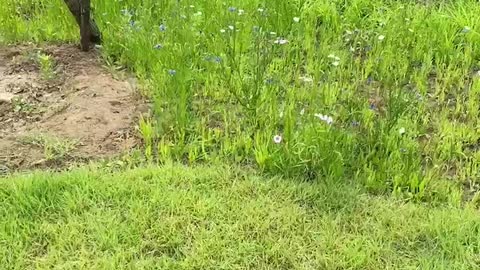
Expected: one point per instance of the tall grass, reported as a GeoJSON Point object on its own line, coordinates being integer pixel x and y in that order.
{"type": "Point", "coordinates": [383, 92]}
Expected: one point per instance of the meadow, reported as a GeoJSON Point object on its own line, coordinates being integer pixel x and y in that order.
{"type": "Point", "coordinates": [378, 99]}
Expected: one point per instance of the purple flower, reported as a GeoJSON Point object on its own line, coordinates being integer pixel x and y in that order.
{"type": "Point", "coordinates": [162, 27]}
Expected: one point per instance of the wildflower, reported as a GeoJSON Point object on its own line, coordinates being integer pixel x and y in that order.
{"type": "Point", "coordinates": [241, 12]}
{"type": "Point", "coordinates": [466, 29]}
{"type": "Point", "coordinates": [222, 31]}
{"type": "Point", "coordinates": [232, 9]}
{"type": "Point", "coordinates": [281, 41]}
{"type": "Point", "coordinates": [402, 131]}
{"type": "Point", "coordinates": [231, 27]}
{"type": "Point", "coordinates": [158, 46]}
{"type": "Point", "coordinates": [280, 114]}
{"type": "Point", "coordinates": [198, 13]}
{"type": "Point", "coordinates": [306, 79]}
{"type": "Point", "coordinates": [336, 63]}
{"type": "Point", "coordinates": [162, 28]}
{"type": "Point", "coordinates": [217, 59]}
{"type": "Point", "coordinates": [269, 81]}
{"type": "Point", "coordinates": [302, 112]}
{"type": "Point", "coordinates": [192, 6]}
{"type": "Point", "coordinates": [261, 10]}
{"type": "Point", "coordinates": [410, 30]}
{"type": "Point", "coordinates": [277, 139]}
{"type": "Point", "coordinates": [381, 37]}
{"type": "Point", "coordinates": [296, 19]}
{"type": "Point", "coordinates": [355, 123]}
{"type": "Point", "coordinates": [172, 72]}
{"type": "Point", "coordinates": [325, 118]}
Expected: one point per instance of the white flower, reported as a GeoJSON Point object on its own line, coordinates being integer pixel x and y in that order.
{"type": "Point", "coordinates": [281, 41]}
{"type": "Point", "coordinates": [325, 118]}
{"type": "Point", "coordinates": [231, 27]}
{"type": "Point", "coordinates": [192, 6]}
{"type": "Point", "coordinates": [241, 12]}
{"type": "Point", "coordinates": [199, 13]}
{"type": "Point", "coordinates": [281, 115]}
{"type": "Point", "coordinates": [306, 79]}
{"type": "Point", "coordinates": [302, 112]}
{"type": "Point", "coordinates": [277, 139]}
{"type": "Point", "coordinates": [381, 37]}
{"type": "Point", "coordinates": [261, 10]}
{"type": "Point", "coordinates": [296, 19]}
{"type": "Point", "coordinates": [466, 29]}
{"type": "Point", "coordinates": [222, 30]}
{"type": "Point", "coordinates": [331, 55]}
{"type": "Point", "coordinates": [336, 63]}
{"type": "Point", "coordinates": [410, 29]}
{"type": "Point", "coordinates": [402, 131]}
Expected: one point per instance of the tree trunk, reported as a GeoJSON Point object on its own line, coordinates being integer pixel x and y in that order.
{"type": "Point", "coordinates": [80, 9]}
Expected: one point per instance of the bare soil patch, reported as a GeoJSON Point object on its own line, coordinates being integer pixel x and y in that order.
{"type": "Point", "coordinates": [59, 105]}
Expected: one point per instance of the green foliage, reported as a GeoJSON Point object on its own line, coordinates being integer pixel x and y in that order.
{"type": "Point", "coordinates": [398, 80]}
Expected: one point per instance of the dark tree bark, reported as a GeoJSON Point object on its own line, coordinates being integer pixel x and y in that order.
{"type": "Point", "coordinates": [89, 31]}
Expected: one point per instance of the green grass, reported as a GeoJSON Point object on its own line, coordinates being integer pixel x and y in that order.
{"type": "Point", "coordinates": [399, 80]}
{"type": "Point", "coordinates": [360, 119]}
{"type": "Point", "coordinates": [176, 217]}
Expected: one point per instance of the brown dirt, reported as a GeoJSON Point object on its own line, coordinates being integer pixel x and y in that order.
{"type": "Point", "coordinates": [82, 105]}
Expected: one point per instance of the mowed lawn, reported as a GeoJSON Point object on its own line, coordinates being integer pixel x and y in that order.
{"type": "Point", "coordinates": [176, 217]}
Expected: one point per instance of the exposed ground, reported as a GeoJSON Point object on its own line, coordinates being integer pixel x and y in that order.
{"type": "Point", "coordinates": [58, 105]}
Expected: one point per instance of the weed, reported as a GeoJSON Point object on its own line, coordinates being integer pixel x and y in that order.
{"type": "Point", "coordinates": [55, 149]}
{"type": "Point", "coordinates": [46, 66]}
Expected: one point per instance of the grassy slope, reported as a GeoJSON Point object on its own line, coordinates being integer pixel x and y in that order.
{"type": "Point", "coordinates": [221, 218]}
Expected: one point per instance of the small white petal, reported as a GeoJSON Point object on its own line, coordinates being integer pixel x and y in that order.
{"type": "Point", "coordinates": [381, 37]}
{"type": "Point", "coordinates": [277, 139]}
{"type": "Point", "coordinates": [336, 63]}
{"type": "Point", "coordinates": [231, 27]}
{"type": "Point", "coordinates": [296, 19]}
{"type": "Point", "coordinates": [222, 31]}
{"type": "Point", "coordinates": [260, 10]}
{"type": "Point", "coordinates": [402, 131]}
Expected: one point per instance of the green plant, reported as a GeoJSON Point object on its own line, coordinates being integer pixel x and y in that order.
{"type": "Point", "coordinates": [46, 66]}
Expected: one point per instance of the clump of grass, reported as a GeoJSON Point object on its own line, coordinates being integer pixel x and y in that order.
{"type": "Point", "coordinates": [54, 148]}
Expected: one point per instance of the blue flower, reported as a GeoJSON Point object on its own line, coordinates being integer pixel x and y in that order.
{"type": "Point", "coordinates": [162, 27]}
{"type": "Point", "coordinates": [355, 123]}
{"type": "Point", "coordinates": [232, 9]}
{"type": "Point", "coordinates": [172, 72]}
{"type": "Point", "coordinates": [158, 46]}
{"type": "Point", "coordinates": [217, 59]}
